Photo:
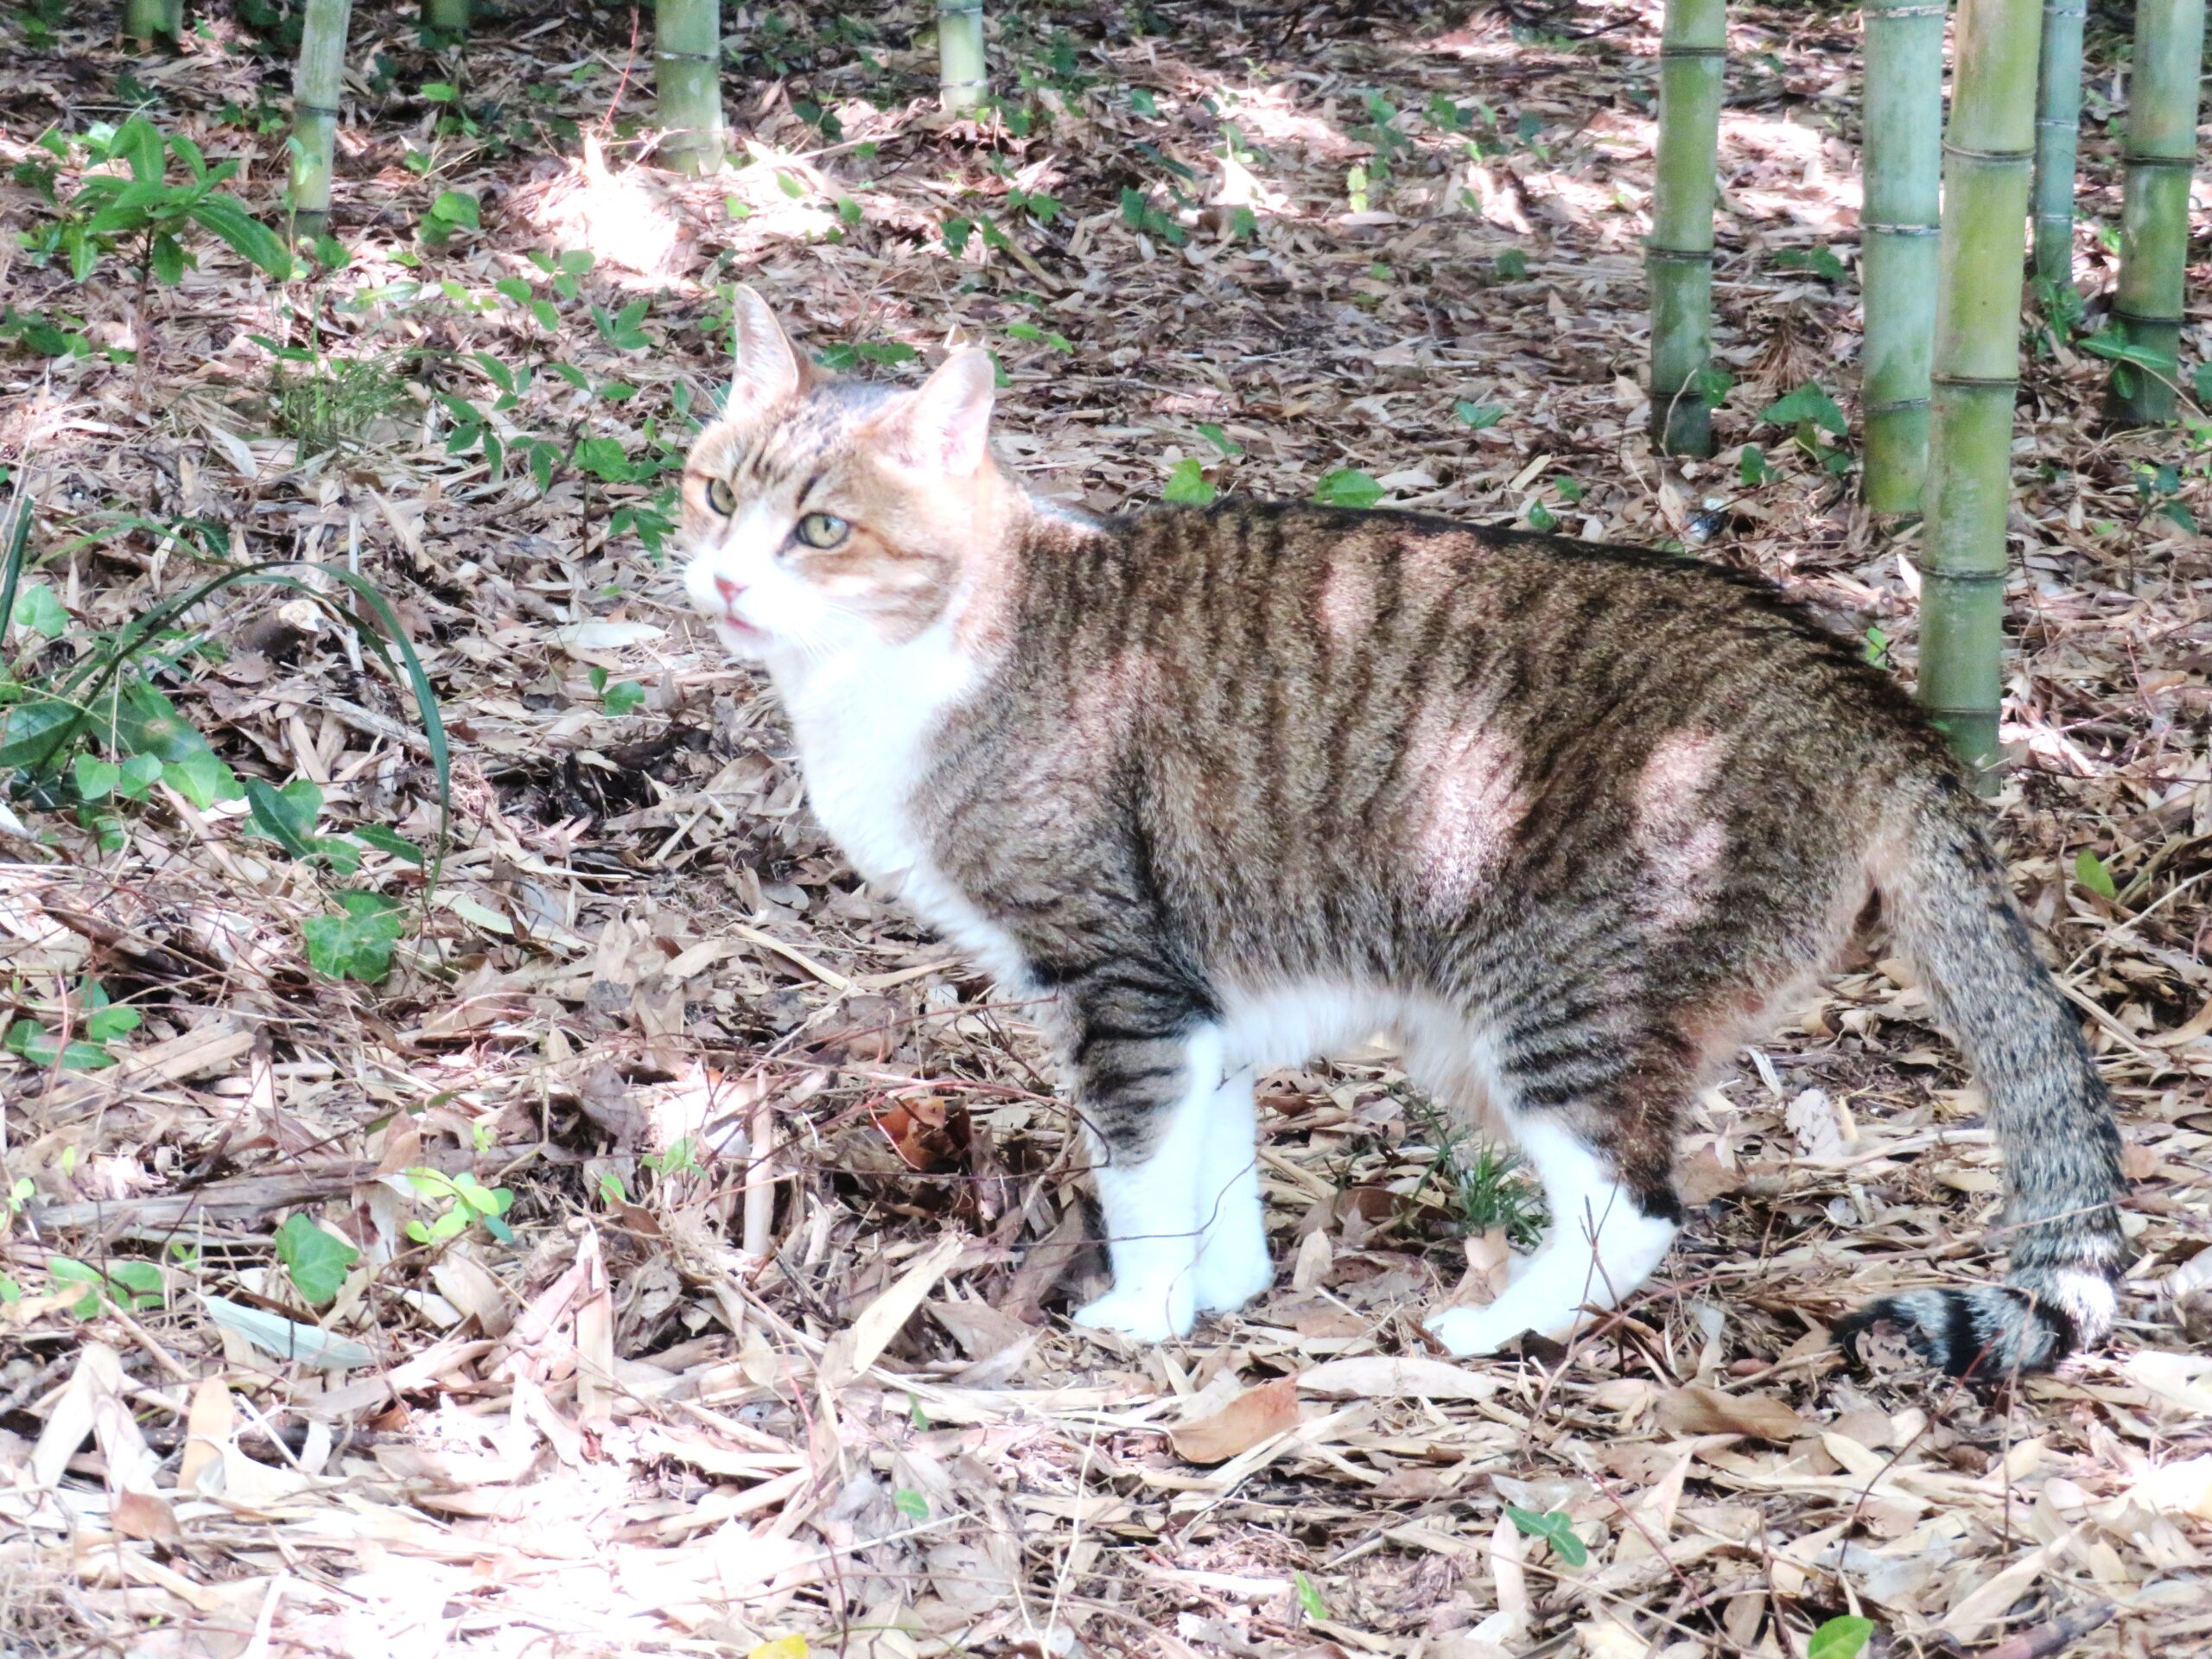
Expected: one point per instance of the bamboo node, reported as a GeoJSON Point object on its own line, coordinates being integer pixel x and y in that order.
{"type": "Point", "coordinates": [301, 107]}
{"type": "Point", "coordinates": [2000, 157]}
{"type": "Point", "coordinates": [1895, 406]}
{"type": "Point", "coordinates": [688, 57]}
{"type": "Point", "coordinates": [1692, 52]}
{"type": "Point", "coordinates": [1979, 382]}
{"type": "Point", "coordinates": [2187, 163]}
{"type": "Point", "coordinates": [1882, 227]}
{"type": "Point", "coordinates": [960, 9]}
{"type": "Point", "coordinates": [1682, 256]}
{"type": "Point", "coordinates": [1897, 13]}
{"type": "Point", "coordinates": [2126, 315]}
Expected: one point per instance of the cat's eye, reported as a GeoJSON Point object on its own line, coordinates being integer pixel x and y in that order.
{"type": "Point", "coordinates": [823, 529]}
{"type": "Point", "coordinates": [721, 497]}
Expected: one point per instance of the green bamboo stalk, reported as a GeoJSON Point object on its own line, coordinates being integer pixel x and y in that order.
{"type": "Point", "coordinates": [1692, 48]}
{"type": "Point", "coordinates": [1989, 151]}
{"type": "Point", "coordinates": [688, 56]}
{"type": "Point", "coordinates": [446, 17]}
{"type": "Point", "coordinates": [962, 77]}
{"type": "Point", "coordinates": [318, 80]}
{"type": "Point", "coordinates": [2162, 103]}
{"type": "Point", "coordinates": [2058, 132]}
{"type": "Point", "coordinates": [1899, 231]}
{"type": "Point", "coordinates": [153, 19]}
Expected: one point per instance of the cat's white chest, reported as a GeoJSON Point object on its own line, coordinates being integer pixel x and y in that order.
{"type": "Point", "coordinates": [864, 727]}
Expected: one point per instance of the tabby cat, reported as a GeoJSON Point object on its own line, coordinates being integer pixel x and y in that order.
{"type": "Point", "coordinates": [1226, 787]}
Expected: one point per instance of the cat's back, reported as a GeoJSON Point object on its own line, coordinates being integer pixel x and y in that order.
{"type": "Point", "coordinates": [1301, 611]}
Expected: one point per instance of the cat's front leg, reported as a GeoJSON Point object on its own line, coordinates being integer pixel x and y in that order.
{"type": "Point", "coordinates": [1145, 1091]}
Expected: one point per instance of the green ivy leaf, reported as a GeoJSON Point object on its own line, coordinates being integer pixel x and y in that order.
{"type": "Point", "coordinates": [317, 1262]}
{"type": "Point", "coordinates": [30, 731]}
{"type": "Point", "coordinates": [1220, 439]}
{"type": "Point", "coordinates": [910, 1503]}
{"type": "Point", "coordinates": [1479, 416]}
{"type": "Point", "coordinates": [108, 1024]}
{"type": "Point", "coordinates": [1553, 1529]}
{"type": "Point", "coordinates": [202, 780]}
{"type": "Point", "coordinates": [1541, 518]}
{"type": "Point", "coordinates": [1142, 103]}
{"type": "Point", "coordinates": [358, 944]}
{"type": "Point", "coordinates": [1348, 488]}
{"type": "Point", "coordinates": [389, 840]}
{"type": "Point", "coordinates": [1186, 485]}
{"type": "Point", "coordinates": [138, 776]}
{"type": "Point", "coordinates": [2090, 870]}
{"type": "Point", "coordinates": [1309, 1597]}
{"type": "Point", "coordinates": [1841, 1638]}
{"type": "Point", "coordinates": [623, 697]}
{"type": "Point", "coordinates": [1513, 265]}
{"type": "Point", "coordinates": [2110, 342]}
{"type": "Point", "coordinates": [39, 609]}
{"type": "Point", "coordinates": [1807, 402]}
{"type": "Point", "coordinates": [95, 779]}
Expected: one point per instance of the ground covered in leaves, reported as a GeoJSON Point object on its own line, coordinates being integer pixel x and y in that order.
{"type": "Point", "coordinates": [627, 1234]}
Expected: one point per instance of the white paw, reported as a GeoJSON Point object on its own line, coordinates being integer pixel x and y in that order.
{"type": "Point", "coordinates": [1229, 1274]}
{"type": "Point", "coordinates": [1147, 1314]}
{"type": "Point", "coordinates": [1465, 1331]}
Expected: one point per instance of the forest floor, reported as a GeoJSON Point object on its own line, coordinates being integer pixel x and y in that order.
{"type": "Point", "coordinates": [671, 1245]}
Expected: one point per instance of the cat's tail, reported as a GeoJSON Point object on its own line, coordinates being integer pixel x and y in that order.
{"type": "Point", "coordinates": [1953, 912]}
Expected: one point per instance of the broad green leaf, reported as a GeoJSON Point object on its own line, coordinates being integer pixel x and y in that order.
{"type": "Point", "coordinates": [286, 815]}
{"type": "Point", "coordinates": [1347, 487]}
{"type": "Point", "coordinates": [1541, 518]}
{"type": "Point", "coordinates": [1186, 485]}
{"type": "Point", "coordinates": [95, 779]}
{"type": "Point", "coordinates": [358, 944]}
{"type": "Point", "coordinates": [139, 774]}
{"type": "Point", "coordinates": [317, 1261]}
{"type": "Point", "coordinates": [30, 732]}
{"type": "Point", "coordinates": [2110, 342]}
{"type": "Point", "coordinates": [1841, 1638]}
{"type": "Point", "coordinates": [31, 1040]}
{"type": "Point", "coordinates": [202, 780]}
{"type": "Point", "coordinates": [455, 207]}
{"type": "Point", "coordinates": [227, 218]}
{"type": "Point", "coordinates": [1310, 1598]}
{"type": "Point", "coordinates": [2090, 870]}
{"type": "Point", "coordinates": [1513, 264]}
{"type": "Point", "coordinates": [1220, 439]}
{"type": "Point", "coordinates": [148, 723]}
{"type": "Point", "coordinates": [1807, 402]}
{"type": "Point", "coordinates": [1142, 103]}
{"type": "Point", "coordinates": [106, 1025]}
{"type": "Point", "coordinates": [1479, 416]}
{"type": "Point", "coordinates": [389, 840]}
{"type": "Point", "coordinates": [910, 1503]}
{"type": "Point", "coordinates": [39, 609]}
{"type": "Point", "coordinates": [623, 697]}
{"type": "Point", "coordinates": [286, 1338]}
{"type": "Point", "coordinates": [139, 143]}
{"type": "Point", "coordinates": [166, 260]}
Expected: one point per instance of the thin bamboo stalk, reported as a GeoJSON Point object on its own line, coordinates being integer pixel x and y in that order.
{"type": "Point", "coordinates": [153, 19]}
{"type": "Point", "coordinates": [687, 79]}
{"type": "Point", "coordinates": [1989, 152]}
{"type": "Point", "coordinates": [448, 17]}
{"type": "Point", "coordinates": [2162, 105]}
{"type": "Point", "coordinates": [1899, 232]}
{"type": "Point", "coordinates": [2058, 132]}
{"type": "Point", "coordinates": [318, 80]}
{"type": "Point", "coordinates": [963, 79]}
{"type": "Point", "coordinates": [1693, 50]}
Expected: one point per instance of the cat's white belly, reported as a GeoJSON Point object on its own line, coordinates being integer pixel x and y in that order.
{"type": "Point", "coordinates": [1267, 1026]}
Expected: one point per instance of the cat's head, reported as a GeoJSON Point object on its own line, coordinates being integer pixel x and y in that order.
{"type": "Point", "coordinates": [824, 515]}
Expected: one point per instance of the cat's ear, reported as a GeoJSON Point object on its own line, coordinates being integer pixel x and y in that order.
{"type": "Point", "coordinates": [768, 370]}
{"type": "Point", "coordinates": [945, 426]}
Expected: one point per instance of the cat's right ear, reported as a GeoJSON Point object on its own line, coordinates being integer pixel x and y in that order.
{"type": "Point", "coordinates": [768, 370]}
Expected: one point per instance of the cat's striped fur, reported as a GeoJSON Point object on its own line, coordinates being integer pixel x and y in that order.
{"type": "Point", "coordinates": [1232, 785]}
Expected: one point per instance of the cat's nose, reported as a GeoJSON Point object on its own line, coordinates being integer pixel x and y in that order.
{"type": "Point", "coordinates": [729, 589]}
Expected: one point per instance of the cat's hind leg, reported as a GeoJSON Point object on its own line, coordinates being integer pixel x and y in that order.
{"type": "Point", "coordinates": [1600, 1133]}
{"type": "Point", "coordinates": [1233, 1264]}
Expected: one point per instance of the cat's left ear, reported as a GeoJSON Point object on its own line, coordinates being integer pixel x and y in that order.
{"type": "Point", "coordinates": [945, 426]}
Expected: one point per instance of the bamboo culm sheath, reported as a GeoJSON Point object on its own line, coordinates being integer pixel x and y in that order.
{"type": "Point", "coordinates": [687, 79]}
{"type": "Point", "coordinates": [963, 79]}
{"type": "Point", "coordinates": [318, 79]}
{"type": "Point", "coordinates": [2161, 104]}
{"type": "Point", "coordinates": [2058, 131]}
{"type": "Point", "coordinates": [1899, 234]}
{"type": "Point", "coordinates": [1678, 259]}
{"type": "Point", "coordinates": [1988, 155]}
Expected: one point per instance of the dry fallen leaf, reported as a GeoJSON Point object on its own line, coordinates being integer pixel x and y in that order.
{"type": "Point", "coordinates": [1255, 1415]}
{"type": "Point", "coordinates": [1695, 1410]}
